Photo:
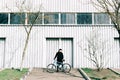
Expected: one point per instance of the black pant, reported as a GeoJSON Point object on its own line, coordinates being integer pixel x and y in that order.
{"type": "Point", "coordinates": [58, 64]}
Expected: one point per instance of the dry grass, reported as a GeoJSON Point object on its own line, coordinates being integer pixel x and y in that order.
{"type": "Point", "coordinates": [12, 74]}
{"type": "Point", "coordinates": [105, 74]}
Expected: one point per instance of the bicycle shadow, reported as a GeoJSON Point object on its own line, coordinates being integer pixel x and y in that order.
{"type": "Point", "coordinates": [72, 73]}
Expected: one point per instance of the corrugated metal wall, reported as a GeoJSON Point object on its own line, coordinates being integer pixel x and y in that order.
{"type": "Point", "coordinates": [49, 5]}
{"type": "Point", "coordinates": [54, 44]}
{"type": "Point", "coordinates": [2, 52]}
{"type": "Point", "coordinates": [37, 51]}
{"type": "Point", "coordinates": [67, 46]}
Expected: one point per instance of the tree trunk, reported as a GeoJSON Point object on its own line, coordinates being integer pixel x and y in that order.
{"type": "Point", "coordinates": [24, 51]}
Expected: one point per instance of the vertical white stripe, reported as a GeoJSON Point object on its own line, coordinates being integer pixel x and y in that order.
{"type": "Point", "coordinates": [8, 18]}
{"type": "Point", "coordinates": [2, 54]}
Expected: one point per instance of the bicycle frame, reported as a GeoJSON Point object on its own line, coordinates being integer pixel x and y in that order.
{"type": "Point", "coordinates": [65, 67]}
{"type": "Point", "coordinates": [59, 64]}
{"type": "Point", "coordinates": [56, 63]}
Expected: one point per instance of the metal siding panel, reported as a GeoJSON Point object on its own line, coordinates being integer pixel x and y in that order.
{"type": "Point", "coordinates": [78, 32]}
{"type": "Point", "coordinates": [51, 5]}
{"type": "Point", "coordinates": [52, 47]}
{"type": "Point", "coordinates": [34, 53]}
{"type": "Point", "coordinates": [67, 50]}
{"type": "Point", "coordinates": [2, 53]}
{"type": "Point", "coordinates": [115, 56]}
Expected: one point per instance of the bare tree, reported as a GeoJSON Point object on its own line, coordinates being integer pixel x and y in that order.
{"type": "Point", "coordinates": [112, 8]}
{"type": "Point", "coordinates": [96, 49]}
{"type": "Point", "coordinates": [36, 17]}
{"type": "Point", "coordinates": [28, 22]}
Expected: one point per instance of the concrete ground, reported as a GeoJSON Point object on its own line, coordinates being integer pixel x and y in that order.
{"type": "Point", "coordinates": [41, 74]}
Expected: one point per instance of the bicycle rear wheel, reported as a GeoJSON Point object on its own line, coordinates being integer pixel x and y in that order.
{"type": "Point", "coordinates": [51, 68]}
{"type": "Point", "coordinates": [67, 67]}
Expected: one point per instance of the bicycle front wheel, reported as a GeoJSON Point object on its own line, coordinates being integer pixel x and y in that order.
{"type": "Point", "coordinates": [67, 67]}
{"type": "Point", "coordinates": [51, 68]}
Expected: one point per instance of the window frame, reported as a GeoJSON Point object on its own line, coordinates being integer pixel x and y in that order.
{"type": "Point", "coordinates": [83, 23]}
{"type": "Point", "coordinates": [59, 16]}
{"type": "Point", "coordinates": [53, 14]}
{"type": "Point", "coordinates": [7, 18]}
{"type": "Point", "coordinates": [20, 22]}
{"type": "Point", "coordinates": [68, 23]}
{"type": "Point", "coordinates": [36, 21]}
{"type": "Point", "coordinates": [103, 19]}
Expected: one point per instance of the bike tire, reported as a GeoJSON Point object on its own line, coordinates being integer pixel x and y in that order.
{"type": "Point", "coordinates": [67, 67]}
{"type": "Point", "coordinates": [51, 68]}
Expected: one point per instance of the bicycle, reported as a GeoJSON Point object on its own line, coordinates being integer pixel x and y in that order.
{"type": "Point", "coordinates": [64, 67]}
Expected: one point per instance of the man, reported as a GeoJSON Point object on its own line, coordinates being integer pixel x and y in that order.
{"type": "Point", "coordinates": [59, 56]}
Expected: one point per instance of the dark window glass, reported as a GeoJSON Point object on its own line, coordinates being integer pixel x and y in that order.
{"type": "Point", "coordinates": [34, 18]}
{"type": "Point", "coordinates": [50, 18]}
{"type": "Point", "coordinates": [101, 18]}
{"type": "Point", "coordinates": [17, 18]}
{"type": "Point", "coordinates": [84, 18]}
{"type": "Point", "coordinates": [67, 18]}
{"type": "Point", "coordinates": [3, 18]}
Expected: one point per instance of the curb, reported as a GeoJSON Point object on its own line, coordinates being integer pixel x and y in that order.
{"type": "Point", "coordinates": [24, 77]}
{"type": "Point", "coordinates": [84, 74]}
{"type": "Point", "coordinates": [114, 71]}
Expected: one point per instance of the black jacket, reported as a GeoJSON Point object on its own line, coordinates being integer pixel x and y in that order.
{"type": "Point", "coordinates": [59, 56]}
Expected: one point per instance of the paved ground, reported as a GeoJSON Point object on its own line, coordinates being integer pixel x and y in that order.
{"type": "Point", "coordinates": [41, 74]}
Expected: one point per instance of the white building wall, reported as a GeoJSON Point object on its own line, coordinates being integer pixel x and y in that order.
{"type": "Point", "coordinates": [49, 5]}
{"type": "Point", "coordinates": [36, 52]}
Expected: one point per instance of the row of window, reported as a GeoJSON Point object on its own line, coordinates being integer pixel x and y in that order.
{"type": "Point", "coordinates": [54, 18]}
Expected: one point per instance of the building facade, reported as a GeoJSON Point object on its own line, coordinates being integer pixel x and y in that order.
{"type": "Point", "coordinates": [63, 24]}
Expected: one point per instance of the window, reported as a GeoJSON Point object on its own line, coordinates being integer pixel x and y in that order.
{"type": "Point", "coordinates": [67, 18]}
{"type": "Point", "coordinates": [51, 18]}
{"type": "Point", "coordinates": [54, 18]}
{"type": "Point", "coordinates": [34, 18]}
{"type": "Point", "coordinates": [84, 18]}
{"type": "Point", "coordinates": [101, 18]}
{"type": "Point", "coordinates": [3, 18]}
{"type": "Point", "coordinates": [17, 18]}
